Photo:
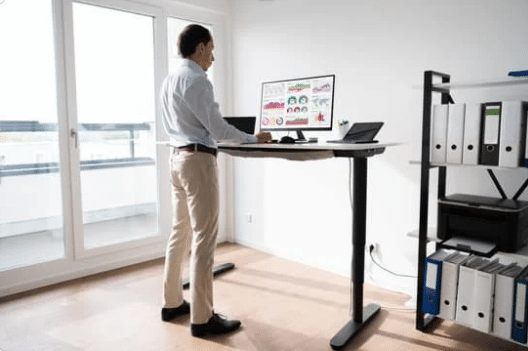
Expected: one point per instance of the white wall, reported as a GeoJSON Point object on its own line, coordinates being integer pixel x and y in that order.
{"type": "Point", "coordinates": [220, 6]}
{"type": "Point", "coordinates": [378, 51]}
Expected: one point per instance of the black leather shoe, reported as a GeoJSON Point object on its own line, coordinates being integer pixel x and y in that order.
{"type": "Point", "coordinates": [215, 325]}
{"type": "Point", "coordinates": [168, 314]}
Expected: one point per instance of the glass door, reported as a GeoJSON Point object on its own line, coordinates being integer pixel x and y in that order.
{"type": "Point", "coordinates": [31, 192]}
{"type": "Point", "coordinates": [83, 162]}
{"type": "Point", "coordinates": [115, 133]}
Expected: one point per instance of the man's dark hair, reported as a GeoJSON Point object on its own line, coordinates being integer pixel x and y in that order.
{"type": "Point", "coordinates": [190, 37]}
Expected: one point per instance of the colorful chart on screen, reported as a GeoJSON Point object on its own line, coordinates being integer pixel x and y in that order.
{"type": "Point", "coordinates": [302, 103]}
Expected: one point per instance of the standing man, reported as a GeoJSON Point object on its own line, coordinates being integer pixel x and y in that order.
{"type": "Point", "coordinates": [193, 121]}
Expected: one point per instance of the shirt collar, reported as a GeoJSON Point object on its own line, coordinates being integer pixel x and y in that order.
{"type": "Point", "coordinates": [193, 65]}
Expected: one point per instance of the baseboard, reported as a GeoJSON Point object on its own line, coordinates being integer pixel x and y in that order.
{"type": "Point", "coordinates": [342, 271]}
{"type": "Point", "coordinates": [374, 280]}
{"type": "Point", "coordinates": [51, 273]}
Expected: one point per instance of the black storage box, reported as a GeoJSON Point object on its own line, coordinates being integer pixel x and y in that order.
{"type": "Point", "coordinates": [502, 222]}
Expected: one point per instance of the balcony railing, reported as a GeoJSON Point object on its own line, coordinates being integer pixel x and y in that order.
{"type": "Point", "coordinates": [7, 170]}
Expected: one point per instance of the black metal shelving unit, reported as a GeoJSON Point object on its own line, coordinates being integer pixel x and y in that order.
{"type": "Point", "coordinates": [429, 90]}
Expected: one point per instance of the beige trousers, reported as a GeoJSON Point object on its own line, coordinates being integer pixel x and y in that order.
{"type": "Point", "coordinates": [194, 178]}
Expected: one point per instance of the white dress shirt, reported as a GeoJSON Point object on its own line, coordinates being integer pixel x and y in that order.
{"type": "Point", "coordinates": [190, 113]}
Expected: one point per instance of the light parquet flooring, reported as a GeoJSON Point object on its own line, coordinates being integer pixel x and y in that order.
{"type": "Point", "coordinates": [282, 305]}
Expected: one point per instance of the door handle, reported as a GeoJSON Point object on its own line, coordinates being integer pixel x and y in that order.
{"type": "Point", "coordinates": [75, 135]}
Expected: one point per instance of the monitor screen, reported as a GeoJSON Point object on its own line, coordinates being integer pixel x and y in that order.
{"type": "Point", "coordinates": [298, 104]}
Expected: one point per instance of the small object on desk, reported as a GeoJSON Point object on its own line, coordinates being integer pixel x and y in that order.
{"type": "Point", "coordinates": [518, 73]}
{"type": "Point", "coordinates": [341, 123]}
{"type": "Point", "coordinates": [287, 140]}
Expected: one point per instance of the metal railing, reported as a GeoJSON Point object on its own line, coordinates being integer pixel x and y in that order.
{"type": "Point", "coordinates": [53, 167]}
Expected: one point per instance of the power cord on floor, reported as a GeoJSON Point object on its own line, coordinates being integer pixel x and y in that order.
{"type": "Point", "coordinates": [371, 249]}
{"type": "Point", "coordinates": [408, 310]}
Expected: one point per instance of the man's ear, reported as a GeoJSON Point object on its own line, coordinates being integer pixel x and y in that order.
{"type": "Point", "coordinates": [200, 48]}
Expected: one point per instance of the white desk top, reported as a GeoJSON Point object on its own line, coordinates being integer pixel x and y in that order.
{"type": "Point", "coordinates": [304, 151]}
{"type": "Point", "coordinates": [321, 146]}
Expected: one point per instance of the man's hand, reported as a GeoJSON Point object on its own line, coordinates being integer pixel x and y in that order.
{"type": "Point", "coordinates": [263, 137]}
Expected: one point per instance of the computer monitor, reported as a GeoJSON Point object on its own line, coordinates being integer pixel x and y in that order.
{"type": "Point", "coordinates": [301, 104]}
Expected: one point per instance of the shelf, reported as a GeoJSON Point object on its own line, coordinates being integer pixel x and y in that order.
{"type": "Point", "coordinates": [501, 82]}
{"type": "Point", "coordinates": [483, 83]}
{"type": "Point", "coordinates": [414, 162]}
{"type": "Point", "coordinates": [431, 234]}
{"type": "Point", "coordinates": [521, 255]}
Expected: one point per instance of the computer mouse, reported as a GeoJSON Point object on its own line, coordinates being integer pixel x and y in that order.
{"type": "Point", "coordinates": [287, 140]}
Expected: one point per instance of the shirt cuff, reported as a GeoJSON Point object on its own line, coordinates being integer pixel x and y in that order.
{"type": "Point", "coordinates": [252, 139]}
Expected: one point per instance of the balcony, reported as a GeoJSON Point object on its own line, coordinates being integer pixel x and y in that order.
{"type": "Point", "coordinates": [118, 185]}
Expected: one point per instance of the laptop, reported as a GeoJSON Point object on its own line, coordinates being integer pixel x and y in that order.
{"type": "Point", "coordinates": [360, 133]}
{"type": "Point", "coordinates": [245, 124]}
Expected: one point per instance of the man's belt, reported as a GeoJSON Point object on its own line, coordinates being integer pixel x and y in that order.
{"type": "Point", "coordinates": [197, 147]}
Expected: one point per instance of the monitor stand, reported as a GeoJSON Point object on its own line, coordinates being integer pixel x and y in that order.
{"type": "Point", "coordinates": [300, 136]}
{"type": "Point", "coordinates": [302, 139]}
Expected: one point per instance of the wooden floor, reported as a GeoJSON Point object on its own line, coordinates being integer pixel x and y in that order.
{"type": "Point", "coordinates": [282, 306]}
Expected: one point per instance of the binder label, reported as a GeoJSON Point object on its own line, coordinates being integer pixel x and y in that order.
{"type": "Point", "coordinates": [520, 303]}
{"type": "Point", "coordinates": [431, 275]}
{"type": "Point", "coordinates": [491, 130]}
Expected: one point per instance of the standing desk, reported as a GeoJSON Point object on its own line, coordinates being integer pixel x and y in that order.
{"type": "Point", "coordinates": [312, 151]}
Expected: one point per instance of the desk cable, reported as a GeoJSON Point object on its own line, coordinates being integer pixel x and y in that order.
{"type": "Point", "coordinates": [371, 248]}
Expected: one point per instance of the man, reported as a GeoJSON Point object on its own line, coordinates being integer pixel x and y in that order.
{"type": "Point", "coordinates": [192, 119]}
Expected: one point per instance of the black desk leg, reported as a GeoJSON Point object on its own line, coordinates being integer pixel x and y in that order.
{"type": "Point", "coordinates": [361, 316]}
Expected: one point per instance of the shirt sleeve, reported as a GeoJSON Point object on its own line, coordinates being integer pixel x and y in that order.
{"type": "Point", "coordinates": [201, 102]}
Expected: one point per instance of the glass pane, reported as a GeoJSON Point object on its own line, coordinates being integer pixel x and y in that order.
{"type": "Point", "coordinates": [114, 62]}
{"type": "Point", "coordinates": [31, 223]}
{"type": "Point", "coordinates": [175, 27]}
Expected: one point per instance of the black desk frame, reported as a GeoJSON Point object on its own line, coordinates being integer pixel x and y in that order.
{"type": "Point", "coordinates": [361, 315]}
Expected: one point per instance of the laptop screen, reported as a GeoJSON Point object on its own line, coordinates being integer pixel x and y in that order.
{"type": "Point", "coordinates": [245, 124]}
{"type": "Point", "coordinates": [363, 131]}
